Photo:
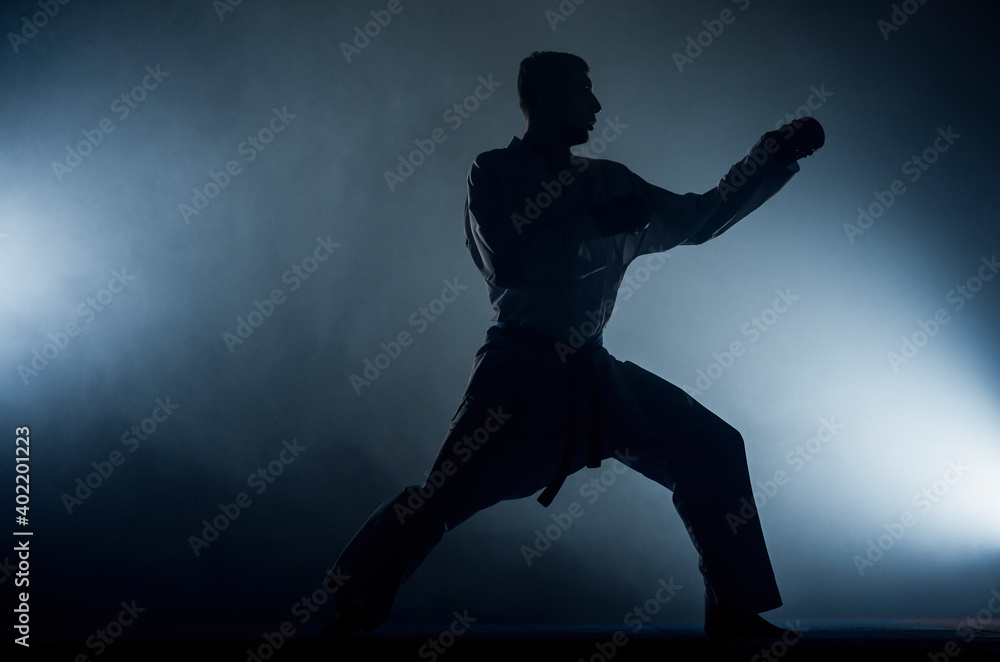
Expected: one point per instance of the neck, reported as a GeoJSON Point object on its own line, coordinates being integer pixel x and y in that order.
{"type": "Point", "coordinates": [554, 152]}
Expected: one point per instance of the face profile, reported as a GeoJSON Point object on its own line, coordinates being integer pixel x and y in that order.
{"type": "Point", "coordinates": [558, 102]}
{"type": "Point", "coordinates": [572, 109]}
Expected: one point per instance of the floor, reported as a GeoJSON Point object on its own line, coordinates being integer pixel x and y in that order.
{"type": "Point", "coordinates": [841, 640]}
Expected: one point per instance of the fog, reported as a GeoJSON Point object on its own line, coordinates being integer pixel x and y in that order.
{"type": "Point", "coordinates": [213, 215]}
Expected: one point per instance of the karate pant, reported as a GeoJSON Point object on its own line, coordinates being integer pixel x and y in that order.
{"type": "Point", "coordinates": [486, 458]}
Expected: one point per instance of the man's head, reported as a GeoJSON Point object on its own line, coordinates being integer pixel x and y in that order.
{"type": "Point", "coordinates": [556, 94]}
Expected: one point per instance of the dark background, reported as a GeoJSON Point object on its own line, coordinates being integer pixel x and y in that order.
{"type": "Point", "coordinates": [62, 236]}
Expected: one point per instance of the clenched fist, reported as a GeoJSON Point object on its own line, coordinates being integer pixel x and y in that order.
{"type": "Point", "coordinates": [797, 140]}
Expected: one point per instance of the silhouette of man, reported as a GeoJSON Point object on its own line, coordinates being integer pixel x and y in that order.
{"type": "Point", "coordinates": [552, 234]}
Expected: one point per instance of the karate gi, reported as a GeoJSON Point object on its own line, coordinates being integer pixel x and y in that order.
{"type": "Point", "coordinates": [545, 398]}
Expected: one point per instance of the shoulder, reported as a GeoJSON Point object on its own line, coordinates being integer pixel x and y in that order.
{"type": "Point", "coordinates": [490, 165]}
{"type": "Point", "coordinates": [514, 151]}
{"type": "Point", "coordinates": [504, 164]}
{"type": "Point", "coordinates": [490, 158]}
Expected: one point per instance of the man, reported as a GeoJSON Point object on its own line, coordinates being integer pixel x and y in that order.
{"type": "Point", "coordinates": [552, 234]}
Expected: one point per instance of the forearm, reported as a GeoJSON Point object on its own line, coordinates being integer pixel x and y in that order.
{"type": "Point", "coordinates": [764, 171]}
{"type": "Point", "coordinates": [747, 186]}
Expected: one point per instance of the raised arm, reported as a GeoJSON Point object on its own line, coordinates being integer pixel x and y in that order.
{"type": "Point", "coordinates": [749, 183]}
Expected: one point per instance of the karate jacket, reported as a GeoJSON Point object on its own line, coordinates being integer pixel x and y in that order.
{"type": "Point", "coordinates": [549, 271]}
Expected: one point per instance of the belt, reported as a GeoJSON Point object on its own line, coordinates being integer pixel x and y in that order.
{"type": "Point", "coordinates": [584, 390]}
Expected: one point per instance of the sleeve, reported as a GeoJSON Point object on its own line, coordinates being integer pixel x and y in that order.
{"type": "Point", "coordinates": [690, 219]}
{"type": "Point", "coordinates": [521, 239]}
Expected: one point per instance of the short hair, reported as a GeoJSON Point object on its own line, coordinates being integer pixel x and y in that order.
{"type": "Point", "coordinates": [540, 71]}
